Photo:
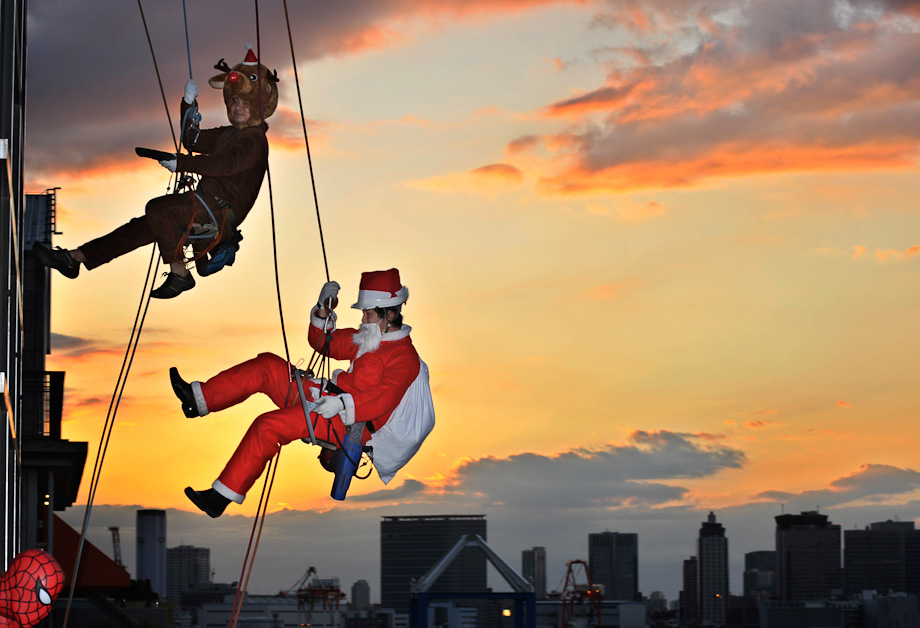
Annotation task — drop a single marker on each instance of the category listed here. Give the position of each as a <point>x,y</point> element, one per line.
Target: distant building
<point>360,596</point>
<point>712,566</point>
<point>657,602</point>
<point>807,557</point>
<point>151,549</point>
<point>689,600</point>
<point>533,568</point>
<point>760,574</point>
<point>411,545</point>
<point>614,561</point>
<point>186,567</point>
<point>884,557</point>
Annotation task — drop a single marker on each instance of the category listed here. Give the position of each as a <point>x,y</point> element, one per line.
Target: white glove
<point>169,164</point>
<point>329,406</point>
<point>329,292</point>
<point>191,91</point>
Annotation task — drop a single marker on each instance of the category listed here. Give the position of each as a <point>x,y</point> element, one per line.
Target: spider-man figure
<point>29,588</point>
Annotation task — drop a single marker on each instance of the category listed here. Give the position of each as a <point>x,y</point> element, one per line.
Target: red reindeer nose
<point>233,77</point>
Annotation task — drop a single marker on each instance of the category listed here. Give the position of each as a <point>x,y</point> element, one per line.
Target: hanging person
<point>231,160</point>
<point>386,387</point>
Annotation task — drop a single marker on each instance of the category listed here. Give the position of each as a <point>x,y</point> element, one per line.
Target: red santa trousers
<point>269,374</point>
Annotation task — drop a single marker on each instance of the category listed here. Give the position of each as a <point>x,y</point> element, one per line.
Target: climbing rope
<point>109,423</point>
<point>127,361</point>
<point>323,362</point>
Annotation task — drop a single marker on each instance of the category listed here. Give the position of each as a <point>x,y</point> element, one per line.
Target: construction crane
<point>311,590</point>
<point>116,545</point>
<point>574,593</point>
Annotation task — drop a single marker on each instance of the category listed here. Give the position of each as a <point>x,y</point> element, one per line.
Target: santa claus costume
<point>386,387</point>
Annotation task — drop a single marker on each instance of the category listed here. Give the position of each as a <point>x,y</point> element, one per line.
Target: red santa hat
<point>380,288</point>
<point>250,56</point>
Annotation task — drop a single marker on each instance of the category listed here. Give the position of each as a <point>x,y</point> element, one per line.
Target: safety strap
<point>308,407</point>
<point>211,229</point>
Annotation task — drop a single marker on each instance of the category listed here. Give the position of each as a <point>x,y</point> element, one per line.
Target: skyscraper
<point>884,557</point>
<point>151,549</point>
<point>807,557</point>
<point>360,595</point>
<point>186,566</point>
<point>410,546</point>
<point>614,561</point>
<point>712,565</point>
<point>760,573</point>
<point>533,568</point>
<point>689,599</point>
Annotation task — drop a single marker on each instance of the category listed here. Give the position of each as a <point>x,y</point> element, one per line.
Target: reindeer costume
<point>231,160</point>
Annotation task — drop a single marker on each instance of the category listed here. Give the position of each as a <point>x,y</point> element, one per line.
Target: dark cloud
<point>781,86</point>
<point>63,342</point>
<point>614,476</point>
<point>93,92</point>
<point>407,490</point>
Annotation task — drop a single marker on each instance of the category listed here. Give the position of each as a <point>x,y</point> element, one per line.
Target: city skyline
<point>666,579</point>
<point>687,230</point>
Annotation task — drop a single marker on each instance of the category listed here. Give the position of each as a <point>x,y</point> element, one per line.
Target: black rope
<point>109,423</point>
<point>156,67</point>
<point>306,140</point>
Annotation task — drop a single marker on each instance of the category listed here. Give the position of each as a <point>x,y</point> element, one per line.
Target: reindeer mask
<point>244,80</point>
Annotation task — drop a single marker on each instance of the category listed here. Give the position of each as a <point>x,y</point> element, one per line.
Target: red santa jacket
<point>376,381</point>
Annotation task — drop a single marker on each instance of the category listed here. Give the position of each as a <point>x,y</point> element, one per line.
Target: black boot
<point>184,392</point>
<point>59,259</point>
<point>174,285</point>
<point>208,501</point>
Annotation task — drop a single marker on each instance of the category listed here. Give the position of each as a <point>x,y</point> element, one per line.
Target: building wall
<point>712,563</point>
<point>533,569</point>
<point>808,557</point>
<point>12,134</point>
<point>151,549</point>
<point>884,557</point>
<point>410,546</point>
<point>614,561</point>
<point>186,566</point>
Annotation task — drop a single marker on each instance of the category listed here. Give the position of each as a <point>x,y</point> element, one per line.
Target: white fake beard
<point>368,338</point>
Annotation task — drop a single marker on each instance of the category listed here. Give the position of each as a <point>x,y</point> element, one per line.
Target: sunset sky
<point>662,258</point>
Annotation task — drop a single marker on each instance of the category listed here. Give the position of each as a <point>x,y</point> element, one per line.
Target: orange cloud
<point>499,171</point>
<point>609,291</point>
<point>843,404</point>
<point>485,179</point>
<point>883,255</point>
<point>521,144</point>
<point>858,251</point>
<point>729,160</point>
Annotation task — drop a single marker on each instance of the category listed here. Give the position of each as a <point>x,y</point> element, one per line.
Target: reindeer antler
<point>273,77</point>
<point>222,66</point>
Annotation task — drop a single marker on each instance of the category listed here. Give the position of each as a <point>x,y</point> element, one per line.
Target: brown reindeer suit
<point>231,161</point>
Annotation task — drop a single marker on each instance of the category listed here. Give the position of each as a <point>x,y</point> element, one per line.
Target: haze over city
<point>662,261</point>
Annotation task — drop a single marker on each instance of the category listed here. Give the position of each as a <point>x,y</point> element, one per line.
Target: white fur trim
<point>200,403</point>
<point>233,496</point>
<point>320,323</point>
<point>348,413</point>
<point>397,334</point>
<point>335,376</point>
<point>368,299</point>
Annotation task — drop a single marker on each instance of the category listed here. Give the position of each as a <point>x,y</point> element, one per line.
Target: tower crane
<point>116,545</point>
